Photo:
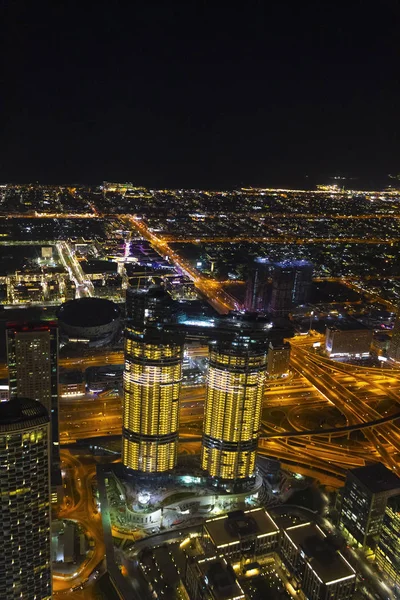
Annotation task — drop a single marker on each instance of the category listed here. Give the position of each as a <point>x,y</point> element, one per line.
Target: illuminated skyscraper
<point>32,357</point>
<point>152,382</point>
<point>25,560</point>
<point>256,297</point>
<point>232,414</point>
<point>152,305</point>
<point>388,552</point>
<point>364,498</point>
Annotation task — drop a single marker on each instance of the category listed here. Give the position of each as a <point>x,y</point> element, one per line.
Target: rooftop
<point>67,377</point>
<point>88,312</point>
<point>377,478</point>
<point>240,524</point>
<point>347,324</point>
<point>328,564</point>
<point>99,266</point>
<point>22,413</point>
<point>221,580</point>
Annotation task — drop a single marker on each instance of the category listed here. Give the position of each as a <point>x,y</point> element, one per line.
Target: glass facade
<point>32,356</point>
<point>25,561</point>
<point>232,414</point>
<point>152,382</point>
<point>388,552</point>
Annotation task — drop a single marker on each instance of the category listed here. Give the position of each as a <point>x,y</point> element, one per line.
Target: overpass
<point>355,427</point>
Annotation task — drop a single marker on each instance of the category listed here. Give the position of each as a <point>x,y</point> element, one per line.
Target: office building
<point>152,382</point>
<point>394,346</point>
<point>25,561</point>
<point>151,305</point>
<point>281,302</point>
<point>388,551</point>
<point>32,357</point>
<point>278,359</point>
<point>348,337</point>
<point>364,498</point>
<point>232,412</point>
<point>291,286</point>
<point>302,282</point>
<point>320,571</point>
<point>241,534</point>
<point>212,578</point>
<point>256,296</point>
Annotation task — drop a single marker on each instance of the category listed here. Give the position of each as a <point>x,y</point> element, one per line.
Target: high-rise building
<point>278,359</point>
<point>283,277</point>
<point>394,346</point>
<point>388,551</point>
<point>232,413</point>
<point>152,382</point>
<point>291,286</point>
<point>151,305</point>
<point>364,498</point>
<point>256,297</point>
<point>302,282</point>
<point>25,561</point>
<point>32,357</point>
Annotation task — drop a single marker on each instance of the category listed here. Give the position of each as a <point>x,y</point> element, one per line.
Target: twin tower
<point>152,382</point>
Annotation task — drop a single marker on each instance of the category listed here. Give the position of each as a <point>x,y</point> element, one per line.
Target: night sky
<point>200,94</point>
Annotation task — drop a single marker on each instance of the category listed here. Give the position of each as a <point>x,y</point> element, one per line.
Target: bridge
<point>331,430</point>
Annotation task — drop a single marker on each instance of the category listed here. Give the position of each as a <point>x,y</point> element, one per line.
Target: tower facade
<point>281,301</point>
<point>291,286</point>
<point>256,297</point>
<point>278,359</point>
<point>25,560</point>
<point>364,499</point>
<point>232,414</point>
<point>32,357</point>
<point>388,552</point>
<point>302,282</point>
<point>394,346</point>
<point>152,382</point>
<point>152,305</point>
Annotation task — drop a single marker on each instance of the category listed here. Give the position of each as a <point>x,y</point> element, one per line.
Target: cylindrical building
<point>232,413</point>
<point>25,561</point>
<point>152,382</point>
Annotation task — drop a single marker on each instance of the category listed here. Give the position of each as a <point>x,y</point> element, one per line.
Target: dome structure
<point>95,321</point>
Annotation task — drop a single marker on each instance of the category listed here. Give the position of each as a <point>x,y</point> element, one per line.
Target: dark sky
<point>203,94</point>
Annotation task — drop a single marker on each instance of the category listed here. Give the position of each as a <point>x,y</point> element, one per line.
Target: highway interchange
<point>319,394</point>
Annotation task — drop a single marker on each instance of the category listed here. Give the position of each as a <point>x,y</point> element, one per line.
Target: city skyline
<point>200,301</point>
<point>269,95</point>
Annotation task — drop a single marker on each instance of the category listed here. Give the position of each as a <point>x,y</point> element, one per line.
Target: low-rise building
<point>71,384</point>
<point>238,534</point>
<point>314,565</point>
<point>212,579</point>
<point>348,337</point>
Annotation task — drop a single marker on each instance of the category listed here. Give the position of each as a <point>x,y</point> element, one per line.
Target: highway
<point>346,401</point>
<point>211,289</point>
<point>326,431</point>
<point>81,508</point>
